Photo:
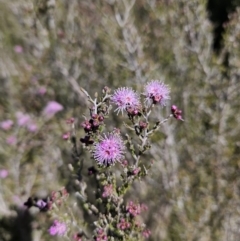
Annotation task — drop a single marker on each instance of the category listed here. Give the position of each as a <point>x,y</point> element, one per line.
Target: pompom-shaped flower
<point>125,97</point>
<point>157,92</point>
<point>109,149</point>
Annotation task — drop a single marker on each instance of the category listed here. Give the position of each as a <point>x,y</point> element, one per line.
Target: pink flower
<point>23,119</point>
<point>124,163</point>
<point>136,170</point>
<point>18,49</point>
<point>57,228</point>
<point>125,98</point>
<point>52,108</point>
<point>32,127</point>
<point>3,173</point>
<point>70,120</point>
<point>146,233</point>
<point>6,125</point>
<point>77,237</point>
<point>123,224</point>
<point>144,207</point>
<point>176,112</point>
<point>101,235</point>
<point>11,140</point>
<point>109,149</point>
<point>66,136</point>
<point>157,92</point>
<point>42,90</point>
<point>133,208</point>
<point>108,190</point>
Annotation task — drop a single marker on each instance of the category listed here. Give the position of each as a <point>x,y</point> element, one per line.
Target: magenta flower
<point>157,92</point>
<point>6,125</point>
<point>52,108</point>
<point>109,149</point>
<point>124,98</point>
<point>57,228</point>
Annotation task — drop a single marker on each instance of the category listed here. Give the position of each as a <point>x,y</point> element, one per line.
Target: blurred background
<point>48,49</point>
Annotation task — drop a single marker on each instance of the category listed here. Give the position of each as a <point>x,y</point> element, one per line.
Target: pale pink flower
<point>125,98</point>
<point>23,119</point>
<point>133,208</point>
<point>144,207</point>
<point>123,224</point>
<point>52,108</point>
<point>6,125</point>
<point>101,235</point>
<point>70,120</point>
<point>32,127</point>
<point>18,49</point>
<point>11,140</point>
<point>108,190</point>
<point>109,149</point>
<point>3,173</point>
<point>66,136</point>
<point>42,90</point>
<point>156,92</point>
<point>146,233</point>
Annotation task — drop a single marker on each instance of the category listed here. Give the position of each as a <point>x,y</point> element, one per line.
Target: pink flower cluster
<point>123,224</point>
<point>176,112</point>
<point>146,233</point>
<point>108,190</point>
<point>93,124</point>
<point>133,208</point>
<point>101,235</point>
<point>57,228</point>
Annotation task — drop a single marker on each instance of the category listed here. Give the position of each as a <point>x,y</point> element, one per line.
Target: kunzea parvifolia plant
<point>117,161</point>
